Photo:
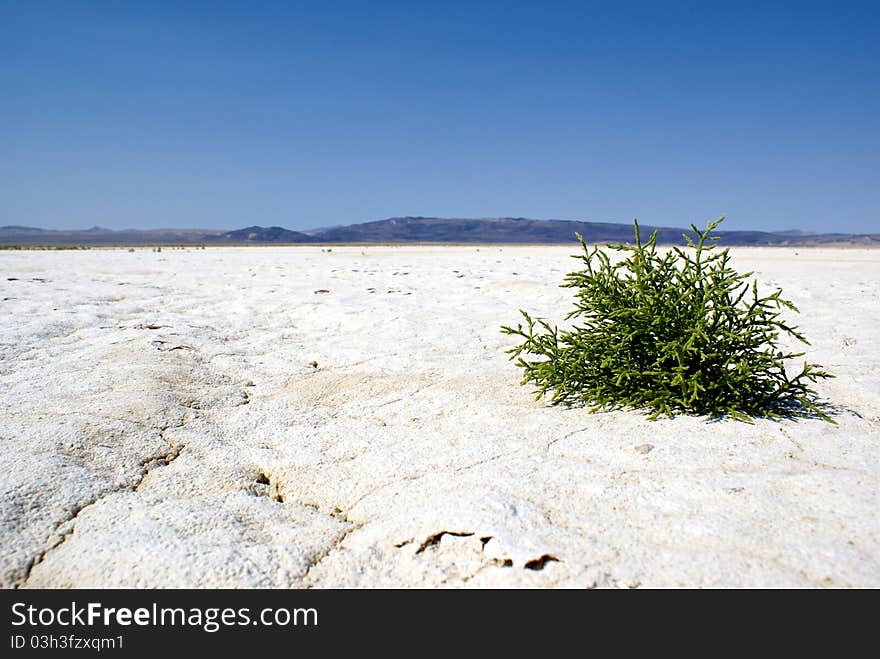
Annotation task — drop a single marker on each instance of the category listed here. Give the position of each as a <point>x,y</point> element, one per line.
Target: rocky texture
<point>206,418</point>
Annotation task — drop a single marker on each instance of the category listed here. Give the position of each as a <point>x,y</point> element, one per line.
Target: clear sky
<point>309,114</point>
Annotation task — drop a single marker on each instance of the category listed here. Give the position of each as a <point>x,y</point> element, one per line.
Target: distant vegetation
<point>669,331</point>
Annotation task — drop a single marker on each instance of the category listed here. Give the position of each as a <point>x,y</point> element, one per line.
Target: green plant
<point>668,331</point>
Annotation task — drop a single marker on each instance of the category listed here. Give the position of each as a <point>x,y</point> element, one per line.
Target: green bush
<point>668,331</point>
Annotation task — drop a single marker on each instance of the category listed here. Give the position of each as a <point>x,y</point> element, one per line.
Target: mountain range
<point>416,230</point>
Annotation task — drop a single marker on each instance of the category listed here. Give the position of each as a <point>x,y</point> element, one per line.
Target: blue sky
<point>309,114</point>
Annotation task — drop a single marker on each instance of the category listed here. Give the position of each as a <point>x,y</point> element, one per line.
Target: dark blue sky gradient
<point>308,114</point>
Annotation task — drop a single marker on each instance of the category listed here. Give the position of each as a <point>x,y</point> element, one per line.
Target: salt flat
<point>164,425</point>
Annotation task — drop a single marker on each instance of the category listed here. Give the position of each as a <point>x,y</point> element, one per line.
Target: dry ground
<point>163,425</point>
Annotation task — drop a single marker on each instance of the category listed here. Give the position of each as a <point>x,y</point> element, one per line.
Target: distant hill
<point>418,230</point>
<point>489,230</point>
<point>260,235</point>
<point>523,230</point>
<point>96,236</point>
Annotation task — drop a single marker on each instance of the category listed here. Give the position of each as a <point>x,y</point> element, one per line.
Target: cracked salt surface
<point>214,422</point>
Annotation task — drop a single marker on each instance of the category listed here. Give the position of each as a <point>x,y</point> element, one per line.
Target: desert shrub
<point>669,331</point>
